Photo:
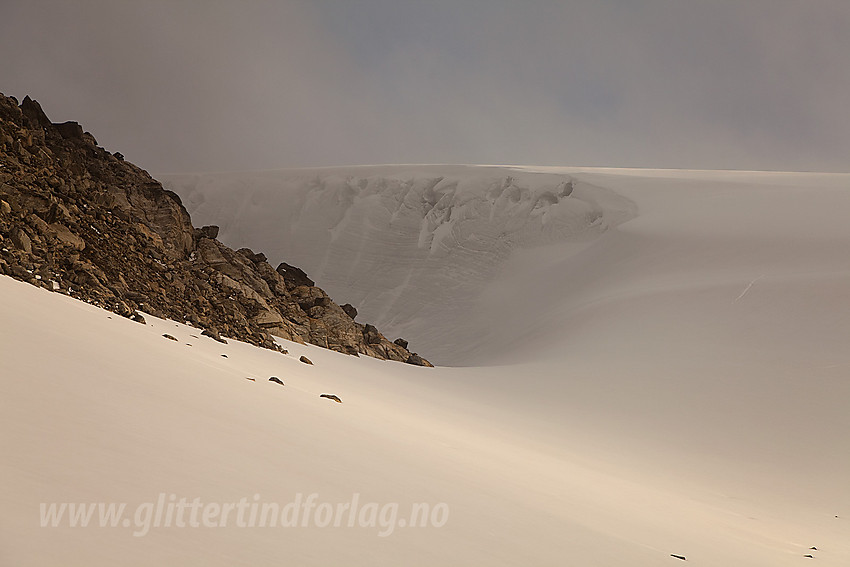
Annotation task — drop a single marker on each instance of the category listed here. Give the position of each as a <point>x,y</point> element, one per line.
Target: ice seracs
<point>411,247</point>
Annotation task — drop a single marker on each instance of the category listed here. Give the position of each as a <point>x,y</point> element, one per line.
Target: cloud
<point>198,86</point>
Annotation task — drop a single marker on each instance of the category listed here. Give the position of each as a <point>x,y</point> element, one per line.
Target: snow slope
<point>100,409</point>
<point>675,384</point>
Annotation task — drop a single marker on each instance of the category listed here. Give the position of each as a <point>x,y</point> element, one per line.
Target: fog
<point>212,86</point>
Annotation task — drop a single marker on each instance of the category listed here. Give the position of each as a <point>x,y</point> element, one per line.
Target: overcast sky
<point>209,85</point>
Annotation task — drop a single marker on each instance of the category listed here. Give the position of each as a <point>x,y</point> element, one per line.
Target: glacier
<point>413,248</point>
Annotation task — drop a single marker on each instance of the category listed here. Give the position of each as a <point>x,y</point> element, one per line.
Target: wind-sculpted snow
<point>412,247</point>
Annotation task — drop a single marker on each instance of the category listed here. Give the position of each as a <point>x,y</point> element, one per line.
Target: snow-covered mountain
<point>411,247</point>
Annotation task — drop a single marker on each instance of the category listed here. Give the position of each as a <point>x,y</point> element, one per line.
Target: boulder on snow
<point>331,397</point>
<point>417,360</point>
<point>276,379</point>
<point>212,333</point>
<point>305,360</point>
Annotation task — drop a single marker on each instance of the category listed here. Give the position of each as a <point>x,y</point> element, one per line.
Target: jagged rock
<point>212,333</point>
<point>331,397</point>
<point>250,255</point>
<point>57,213</point>
<point>21,240</point>
<point>371,334</point>
<point>350,310</point>
<point>64,235</point>
<point>305,360</point>
<point>268,318</point>
<point>400,342</point>
<point>276,379</point>
<point>70,130</point>
<point>294,276</point>
<point>19,272</point>
<point>81,220</point>
<point>32,110</point>
<point>417,360</point>
<point>138,318</point>
<point>209,231</point>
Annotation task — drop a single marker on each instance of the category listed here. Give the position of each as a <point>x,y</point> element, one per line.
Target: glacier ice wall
<point>411,247</point>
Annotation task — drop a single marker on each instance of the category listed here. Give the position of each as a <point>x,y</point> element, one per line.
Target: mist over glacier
<point>413,248</point>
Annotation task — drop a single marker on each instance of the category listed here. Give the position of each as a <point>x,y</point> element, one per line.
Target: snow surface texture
<point>411,247</point>
<point>676,385</point>
<point>98,408</point>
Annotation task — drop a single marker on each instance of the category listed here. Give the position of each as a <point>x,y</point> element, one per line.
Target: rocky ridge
<point>79,220</point>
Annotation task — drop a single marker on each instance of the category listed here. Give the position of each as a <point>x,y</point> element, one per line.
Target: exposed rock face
<point>77,219</point>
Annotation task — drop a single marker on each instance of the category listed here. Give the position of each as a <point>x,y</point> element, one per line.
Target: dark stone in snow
<point>276,379</point>
<point>331,397</point>
<point>305,360</point>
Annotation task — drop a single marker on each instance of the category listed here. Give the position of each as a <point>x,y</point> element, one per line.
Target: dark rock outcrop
<point>82,221</point>
<point>350,310</point>
<point>293,275</point>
